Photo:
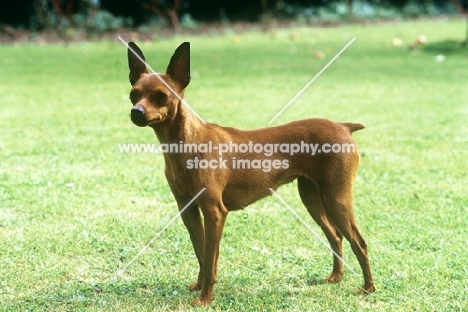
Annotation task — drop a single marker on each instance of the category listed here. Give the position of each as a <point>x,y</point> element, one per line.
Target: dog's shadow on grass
<point>172,294</point>
<point>275,296</point>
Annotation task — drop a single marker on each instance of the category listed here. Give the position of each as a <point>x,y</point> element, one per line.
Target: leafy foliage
<point>105,14</point>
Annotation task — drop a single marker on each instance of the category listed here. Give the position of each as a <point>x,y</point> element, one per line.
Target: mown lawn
<point>73,210</point>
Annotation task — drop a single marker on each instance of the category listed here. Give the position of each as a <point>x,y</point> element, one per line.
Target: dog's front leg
<point>193,223</point>
<point>214,217</point>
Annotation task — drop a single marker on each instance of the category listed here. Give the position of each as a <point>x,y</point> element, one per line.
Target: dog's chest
<point>177,176</point>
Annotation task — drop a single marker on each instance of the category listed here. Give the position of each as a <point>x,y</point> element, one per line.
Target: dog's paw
<point>195,286</point>
<point>201,302</point>
<point>366,290</point>
<point>334,277</point>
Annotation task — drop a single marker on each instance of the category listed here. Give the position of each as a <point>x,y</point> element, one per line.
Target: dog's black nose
<point>137,115</point>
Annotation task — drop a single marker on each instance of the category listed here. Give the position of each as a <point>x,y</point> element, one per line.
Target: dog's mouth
<point>140,123</point>
<point>154,121</point>
<point>147,123</point>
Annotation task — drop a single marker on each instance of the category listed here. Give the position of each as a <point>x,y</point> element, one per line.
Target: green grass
<point>73,210</point>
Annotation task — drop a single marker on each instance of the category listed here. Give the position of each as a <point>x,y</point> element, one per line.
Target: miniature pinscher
<point>324,179</point>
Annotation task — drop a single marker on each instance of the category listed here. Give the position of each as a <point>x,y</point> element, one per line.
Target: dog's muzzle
<point>138,116</point>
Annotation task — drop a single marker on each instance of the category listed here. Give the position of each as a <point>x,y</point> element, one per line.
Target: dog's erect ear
<point>135,64</point>
<point>179,66</point>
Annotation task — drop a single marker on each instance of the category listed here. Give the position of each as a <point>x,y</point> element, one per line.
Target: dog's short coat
<point>325,180</point>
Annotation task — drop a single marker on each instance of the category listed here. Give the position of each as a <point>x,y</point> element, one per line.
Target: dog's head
<point>155,97</point>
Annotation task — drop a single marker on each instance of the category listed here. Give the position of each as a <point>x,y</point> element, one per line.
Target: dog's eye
<point>159,96</point>
<point>134,96</point>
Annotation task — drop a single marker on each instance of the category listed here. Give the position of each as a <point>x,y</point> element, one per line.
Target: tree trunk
<point>458,5</point>
<point>466,39</point>
<point>350,9</point>
<point>172,7</point>
<point>174,19</point>
<point>462,10</point>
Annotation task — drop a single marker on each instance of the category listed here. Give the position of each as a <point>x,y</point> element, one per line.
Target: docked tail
<point>353,126</point>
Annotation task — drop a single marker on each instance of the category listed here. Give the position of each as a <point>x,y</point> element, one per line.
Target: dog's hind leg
<point>311,199</point>
<point>336,195</point>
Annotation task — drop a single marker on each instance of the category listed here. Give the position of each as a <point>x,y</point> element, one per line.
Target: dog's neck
<point>184,126</point>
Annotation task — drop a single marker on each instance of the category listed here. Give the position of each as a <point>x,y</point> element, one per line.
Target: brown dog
<point>239,169</point>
